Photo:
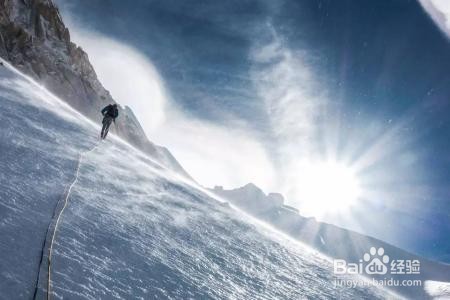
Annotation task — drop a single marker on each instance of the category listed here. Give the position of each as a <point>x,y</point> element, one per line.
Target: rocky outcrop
<point>251,198</point>
<point>34,39</point>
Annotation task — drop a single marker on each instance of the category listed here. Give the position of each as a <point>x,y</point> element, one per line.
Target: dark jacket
<point>110,111</point>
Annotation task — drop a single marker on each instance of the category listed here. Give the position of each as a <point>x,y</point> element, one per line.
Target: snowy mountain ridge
<point>131,229</point>
<point>34,39</point>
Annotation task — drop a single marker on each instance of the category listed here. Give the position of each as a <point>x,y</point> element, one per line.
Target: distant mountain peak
<point>251,186</point>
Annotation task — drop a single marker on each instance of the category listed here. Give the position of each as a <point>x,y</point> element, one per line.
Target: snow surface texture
<point>438,290</point>
<point>334,241</point>
<point>131,229</point>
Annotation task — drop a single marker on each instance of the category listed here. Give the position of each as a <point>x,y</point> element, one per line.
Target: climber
<point>110,113</point>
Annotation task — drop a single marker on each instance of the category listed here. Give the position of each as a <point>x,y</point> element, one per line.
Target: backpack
<point>115,112</point>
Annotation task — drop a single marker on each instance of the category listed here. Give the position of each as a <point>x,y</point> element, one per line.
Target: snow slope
<point>34,39</point>
<point>132,229</point>
<point>334,241</point>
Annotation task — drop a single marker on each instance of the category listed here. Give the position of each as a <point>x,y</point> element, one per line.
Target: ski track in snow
<point>131,228</point>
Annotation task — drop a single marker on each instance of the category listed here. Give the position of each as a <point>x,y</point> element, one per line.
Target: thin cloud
<point>293,100</point>
<point>291,94</point>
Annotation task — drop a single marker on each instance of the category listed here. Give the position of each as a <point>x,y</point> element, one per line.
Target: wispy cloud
<point>294,100</point>
<point>287,86</point>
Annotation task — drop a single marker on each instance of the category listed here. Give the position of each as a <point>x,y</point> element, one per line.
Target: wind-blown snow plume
<point>128,75</point>
<point>134,81</point>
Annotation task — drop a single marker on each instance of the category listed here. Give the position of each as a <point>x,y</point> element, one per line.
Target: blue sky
<point>257,90</point>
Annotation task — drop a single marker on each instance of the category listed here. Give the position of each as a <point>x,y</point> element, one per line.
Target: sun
<point>327,188</point>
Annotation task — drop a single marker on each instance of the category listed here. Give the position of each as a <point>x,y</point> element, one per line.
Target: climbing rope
<point>66,200</point>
